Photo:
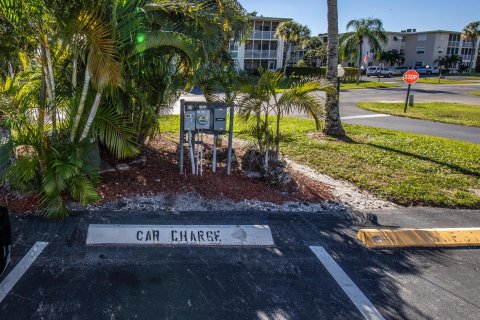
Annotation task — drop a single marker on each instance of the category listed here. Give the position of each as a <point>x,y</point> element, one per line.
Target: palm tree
<point>262,98</point>
<point>392,57</point>
<point>471,32</point>
<point>131,57</point>
<point>293,34</point>
<point>449,61</point>
<point>333,124</point>
<point>368,29</point>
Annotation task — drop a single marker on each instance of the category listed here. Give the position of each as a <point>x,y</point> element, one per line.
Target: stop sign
<point>411,76</point>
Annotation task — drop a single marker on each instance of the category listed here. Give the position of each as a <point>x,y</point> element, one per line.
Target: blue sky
<point>396,14</point>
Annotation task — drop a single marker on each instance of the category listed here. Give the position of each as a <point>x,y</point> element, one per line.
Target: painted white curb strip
<point>9,282</point>
<point>366,308</point>
<point>197,235</point>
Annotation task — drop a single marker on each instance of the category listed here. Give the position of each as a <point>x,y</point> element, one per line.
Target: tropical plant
<point>294,36</point>
<point>370,30</point>
<point>99,70</point>
<point>392,57</point>
<point>315,53</point>
<point>263,99</point>
<point>449,61</point>
<point>471,32</point>
<point>333,124</point>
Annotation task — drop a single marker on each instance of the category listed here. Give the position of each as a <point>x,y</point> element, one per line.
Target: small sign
<point>411,76</point>
<point>187,235</point>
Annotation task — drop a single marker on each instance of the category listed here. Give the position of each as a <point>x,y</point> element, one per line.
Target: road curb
<point>433,238</point>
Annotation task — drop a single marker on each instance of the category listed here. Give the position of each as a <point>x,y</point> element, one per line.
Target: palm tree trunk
<point>259,132</point>
<point>52,88</point>
<point>360,53</point>
<point>333,124</point>
<point>287,58</point>
<point>277,136</point>
<point>74,75</point>
<point>41,110</point>
<point>91,116</point>
<point>472,54</point>
<point>81,105</point>
<point>266,144</point>
<point>10,70</point>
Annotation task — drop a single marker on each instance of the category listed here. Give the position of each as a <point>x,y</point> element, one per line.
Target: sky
<point>397,15</point>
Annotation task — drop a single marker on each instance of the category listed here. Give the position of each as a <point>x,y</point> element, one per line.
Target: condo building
<point>422,48</point>
<point>261,47</point>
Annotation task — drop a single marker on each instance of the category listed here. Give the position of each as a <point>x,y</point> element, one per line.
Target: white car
<point>387,72</point>
<point>373,71</point>
<point>433,70</point>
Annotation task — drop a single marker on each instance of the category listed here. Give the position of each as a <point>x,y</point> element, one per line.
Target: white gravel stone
<point>345,192</point>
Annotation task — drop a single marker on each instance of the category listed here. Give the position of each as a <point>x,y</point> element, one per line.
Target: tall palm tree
<point>293,34</point>
<point>333,124</point>
<point>368,29</point>
<point>471,32</point>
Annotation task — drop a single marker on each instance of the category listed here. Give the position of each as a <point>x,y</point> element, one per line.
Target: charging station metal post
<point>199,118</point>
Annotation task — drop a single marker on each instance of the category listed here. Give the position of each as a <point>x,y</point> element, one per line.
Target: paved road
<point>350,113</point>
<point>72,281</point>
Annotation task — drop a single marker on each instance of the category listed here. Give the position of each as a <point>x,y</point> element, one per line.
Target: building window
<point>418,63</point>
<point>454,37</point>
<point>420,50</point>
<point>370,64</point>
<point>372,51</point>
<point>422,37</point>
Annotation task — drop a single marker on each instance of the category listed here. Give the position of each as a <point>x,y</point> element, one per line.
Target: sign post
<point>409,77</point>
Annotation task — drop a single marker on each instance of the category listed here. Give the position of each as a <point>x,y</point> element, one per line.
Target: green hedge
<point>350,73</point>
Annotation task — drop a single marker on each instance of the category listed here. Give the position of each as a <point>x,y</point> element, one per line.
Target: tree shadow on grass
<point>424,158</point>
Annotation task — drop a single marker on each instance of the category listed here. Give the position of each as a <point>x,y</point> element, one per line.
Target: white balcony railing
<point>260,54</point>
<point>263,35</point>
<point>454,43</point>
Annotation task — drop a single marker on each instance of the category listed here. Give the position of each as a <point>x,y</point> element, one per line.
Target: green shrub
<point>350,73</point>
<point>306,71</point>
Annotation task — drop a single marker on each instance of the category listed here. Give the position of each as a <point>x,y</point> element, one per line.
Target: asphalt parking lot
<point>70,280</point>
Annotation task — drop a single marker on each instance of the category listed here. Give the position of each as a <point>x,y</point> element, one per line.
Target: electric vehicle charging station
<point>198,119</point>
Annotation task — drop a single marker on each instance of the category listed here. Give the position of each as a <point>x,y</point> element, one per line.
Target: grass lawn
<point>468,115</point>
<point>434,80</point>
<point>406,168</point>
<point>367,85</point>
<point>475,93</point>
<point>361,85</point>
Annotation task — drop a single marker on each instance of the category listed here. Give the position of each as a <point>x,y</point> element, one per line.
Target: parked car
<point>5,239</point>
<point>387,72</point>
<point>433,70</point>
<point>401,70</point>
<point>373,71</point>
<point>421,70</point>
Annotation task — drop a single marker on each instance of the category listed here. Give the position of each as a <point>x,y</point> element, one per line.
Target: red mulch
<point>160,175</point>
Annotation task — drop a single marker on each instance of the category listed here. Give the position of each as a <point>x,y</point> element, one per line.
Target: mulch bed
<point>159,174</point>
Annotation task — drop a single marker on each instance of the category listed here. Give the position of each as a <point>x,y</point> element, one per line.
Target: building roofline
<point>268,18</point>
<point>430,31</point>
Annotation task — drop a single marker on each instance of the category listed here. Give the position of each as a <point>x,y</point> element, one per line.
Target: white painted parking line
<point>366,308</point>
<point>190,235</point>
<point>9,282</point>
<point>366,116</point>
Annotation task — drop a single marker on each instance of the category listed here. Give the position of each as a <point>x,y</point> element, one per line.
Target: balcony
<point>263,35</point>
<point>454,44</point>
<point>260,54</point>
